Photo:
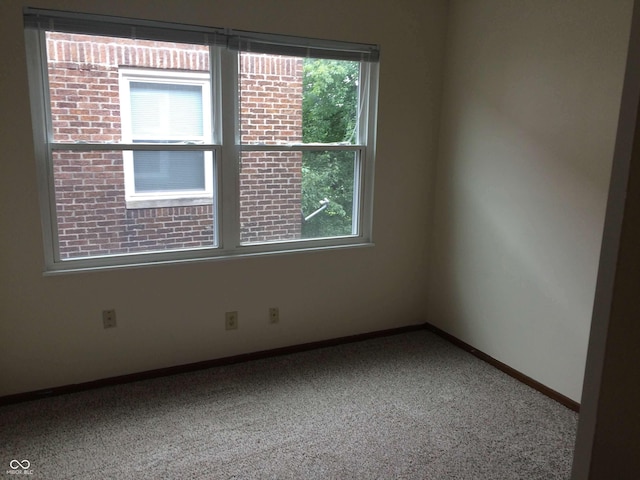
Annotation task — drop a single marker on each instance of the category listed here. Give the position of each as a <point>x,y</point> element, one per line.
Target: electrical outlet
<point>231,320</point>
<point>274,315</point>
<point>109,318</point>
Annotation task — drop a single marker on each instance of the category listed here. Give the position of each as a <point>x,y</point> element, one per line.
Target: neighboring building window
<point>158,107</point>
<point>162,143</point>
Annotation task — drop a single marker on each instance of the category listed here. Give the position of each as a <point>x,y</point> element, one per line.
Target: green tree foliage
<point>329,115</point>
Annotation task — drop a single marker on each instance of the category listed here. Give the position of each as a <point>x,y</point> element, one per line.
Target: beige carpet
<point>409,406</point>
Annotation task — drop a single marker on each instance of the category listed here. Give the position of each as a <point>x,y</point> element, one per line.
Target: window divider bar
<point>229,169</point>
<point>202,147</point>
<point>300,147</point>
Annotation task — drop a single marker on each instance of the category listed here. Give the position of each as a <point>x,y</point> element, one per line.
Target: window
<point>160,106</point>
<point>160,142</point>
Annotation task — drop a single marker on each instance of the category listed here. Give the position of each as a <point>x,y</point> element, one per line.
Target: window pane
<point>294,195</point>
<point>297,100</point>
<point>328,180</point>
<point>168,171</point>
<point>330,101</point>
<point>83,73</point>
<point>165,110</point>
<point>93,219</point>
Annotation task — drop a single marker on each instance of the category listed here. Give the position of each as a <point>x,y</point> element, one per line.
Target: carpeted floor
<point>409,406</point>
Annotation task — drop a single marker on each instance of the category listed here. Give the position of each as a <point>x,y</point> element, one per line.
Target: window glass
<point>330,101</point>
<point>297,195</point>
<point>83,73</point>
<point>288,100</point>
<point>93,220</point>
<point>168,171</point>
<point>328,180</point>
<point>166,111</point>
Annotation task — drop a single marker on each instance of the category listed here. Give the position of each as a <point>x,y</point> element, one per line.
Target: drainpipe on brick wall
<point>324,203</point>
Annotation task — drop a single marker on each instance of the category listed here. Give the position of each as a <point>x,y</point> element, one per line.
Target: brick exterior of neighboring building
<point>270,182</point>
<point>92,215</point>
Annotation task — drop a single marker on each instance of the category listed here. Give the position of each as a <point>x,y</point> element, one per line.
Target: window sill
<point>162,259</point>
<point>155,202</point>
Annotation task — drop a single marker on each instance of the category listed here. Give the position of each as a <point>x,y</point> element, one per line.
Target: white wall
<point>50,327</point>
<point>531,98</point>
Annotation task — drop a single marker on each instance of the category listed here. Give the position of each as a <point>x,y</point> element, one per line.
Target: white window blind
<point>166,111</point>
<point>167,171</point>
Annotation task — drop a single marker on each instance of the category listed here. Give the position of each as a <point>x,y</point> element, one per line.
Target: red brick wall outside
<point>89,186</point>
<point>270,182</point>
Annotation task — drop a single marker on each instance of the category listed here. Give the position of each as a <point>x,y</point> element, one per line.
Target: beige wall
<point>50,327</point>
<point>531,98</point>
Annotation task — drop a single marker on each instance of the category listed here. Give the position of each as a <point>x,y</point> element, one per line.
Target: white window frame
<point>224,147</point>
<point>173,198</point>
